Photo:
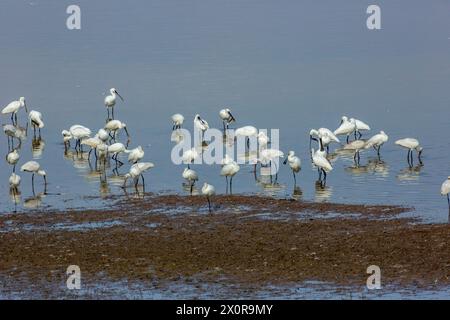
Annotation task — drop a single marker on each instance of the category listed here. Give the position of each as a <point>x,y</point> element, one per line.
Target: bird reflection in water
<point>410,173</point>
<point>323,192</point>
<point>37,147</point>
<point>297,193</point>
<point>34,202</point>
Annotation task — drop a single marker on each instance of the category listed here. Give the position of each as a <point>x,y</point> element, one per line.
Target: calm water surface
<point>292,65</point>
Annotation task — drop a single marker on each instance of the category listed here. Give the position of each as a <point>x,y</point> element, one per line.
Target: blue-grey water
<point>291,65</point>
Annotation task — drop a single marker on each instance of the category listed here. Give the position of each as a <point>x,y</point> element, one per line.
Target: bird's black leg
<point>226,179</point>
<point>112,112</point>
<point>32,183</point>
<point>231,185</point>
<point>324,175</point>
<point>355,134</point>
<point>295,179</point>
<point>347,138</point>
<point>192,187</point>
<point>209,204</point>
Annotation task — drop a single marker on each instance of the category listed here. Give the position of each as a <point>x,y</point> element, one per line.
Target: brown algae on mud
<point>167,238</point>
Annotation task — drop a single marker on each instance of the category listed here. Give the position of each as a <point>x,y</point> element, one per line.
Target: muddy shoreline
<point>248,240</point>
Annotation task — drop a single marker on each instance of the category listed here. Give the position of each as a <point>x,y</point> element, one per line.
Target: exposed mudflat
<point>247,240</point>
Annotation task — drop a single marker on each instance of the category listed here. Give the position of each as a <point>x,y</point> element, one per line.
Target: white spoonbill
<point>347,127</point>
<point>103,135</point>
<point>200,124</point>
<point>117,148</point>
<point>326,134</point>
<point>12,158</point>
<point>34,168</point>
<point>136,154</point>
<point>295,164</point>
<point>360,126</point>
<point>13,107</point>
<point>191,176</point>
<point>77,132</point>
<point>110,100</point>
<point>266,156</point>
<point>227,160</point>
<point>177,120</point>
<point>229,170</point>
<point>189,156</point>
<point>137,171</point>
<point>208,190</point>
<point>321,162</point>
<point>445,190</point>
<point>114,126</point>
<point>411,144</point>
<point>356,146</point>
<point>227,118</point>
<point>14,181</point>
<point>246,131</point>
<point>36,121</point>
<point>377,141</point>
<point>93,144</point>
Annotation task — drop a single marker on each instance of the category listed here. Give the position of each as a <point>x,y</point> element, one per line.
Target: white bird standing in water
<point>360,126</point>
<point>77,132</point>
<point>14,181</point>
<point>93,143</point>
<point>320,161</point>
<point>36,121</point>
<point>114,126</point>
<point>411,144</point>
<point>103,135</point>
<point>200,125</point>
<point>208,190</point>
<point>110,101</point>
<point>230,170</point>
<point>445,190</point>
<point>116,149</point>
<point>347,127</point>
<point>326,134</point>
<point>295,164</point>
<point>246,131</point>
<point>13,107</point>
<point>189,156</point>
<point>227,118</point>
<point>136,154</point>
<point>34,168</point>
<point>12,158</point>
<point>377,141</point>
<point>356,146</point>
<point>191,176</point>
<point>177,120</point>
<point>137,171</point>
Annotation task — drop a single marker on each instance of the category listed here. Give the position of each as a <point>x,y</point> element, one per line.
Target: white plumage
<point>208,190</point>
<point>136,154</point>
<point>35,118</point>
<point>177,120</point>
<point>137,171</point>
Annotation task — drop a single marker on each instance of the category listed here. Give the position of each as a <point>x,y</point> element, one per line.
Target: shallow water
<point>292,66</point>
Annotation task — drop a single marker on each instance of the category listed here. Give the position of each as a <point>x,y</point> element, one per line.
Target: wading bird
<point>116,149</point>
<point>377,141</point>
<point>263,140</point>
<point>445,190</point>
<point>34,168</point>
<point>347,127</point>
<point>326,134</point>
<point>137,171</point>
<point>356,146</point>
<point>321,162</point>
<point>12,158</point>
<point>191,176</point>
<point>200,125</point>
<point>295,164</point>
<point>411,144</point>
<point>36,121</point>
<point>189,156</point>
<point>77,132</point>
<point>227,118</point>
<point>360,126</point>
<point>114,126</point>
<point>208,190</point>
<point>177,121</point>
<point>13,107</point>
<point>14,182</point>
<point>246,131</point>
<point>110,101</point>
<point>230,170</point>
<point>136,154</point>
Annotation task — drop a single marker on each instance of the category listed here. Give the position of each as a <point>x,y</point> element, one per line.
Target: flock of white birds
<point>105,146</point>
